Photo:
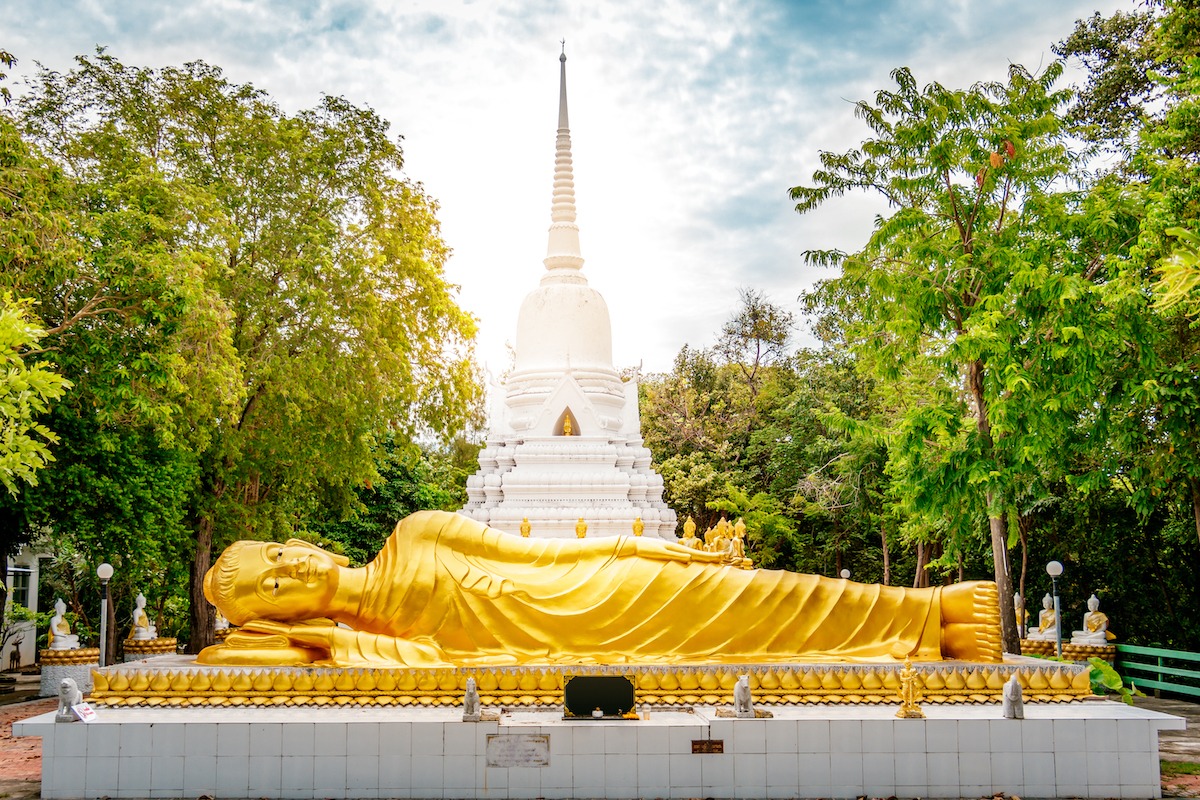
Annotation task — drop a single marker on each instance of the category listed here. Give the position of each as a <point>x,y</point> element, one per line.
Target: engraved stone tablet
<point>518,750</point>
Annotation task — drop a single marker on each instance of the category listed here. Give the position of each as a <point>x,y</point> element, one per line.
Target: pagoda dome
<point>561,326</point>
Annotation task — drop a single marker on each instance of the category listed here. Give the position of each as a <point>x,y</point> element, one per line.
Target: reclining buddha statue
<point>449,591</point>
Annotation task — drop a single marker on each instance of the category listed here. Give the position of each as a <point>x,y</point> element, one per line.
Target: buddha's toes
<point>971,622</point>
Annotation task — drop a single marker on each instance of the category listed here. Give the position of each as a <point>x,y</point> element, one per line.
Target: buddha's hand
<point>668,551</point>
<point>317,635</point>
<point>350,648</point>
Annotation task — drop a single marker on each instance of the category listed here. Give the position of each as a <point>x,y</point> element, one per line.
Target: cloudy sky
<point>689,121</point>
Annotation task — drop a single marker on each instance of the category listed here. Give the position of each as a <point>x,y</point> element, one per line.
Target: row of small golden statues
<point>581,528</point>
<point>729,541</point>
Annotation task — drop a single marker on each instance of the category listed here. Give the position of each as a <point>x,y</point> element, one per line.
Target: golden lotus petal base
<point>1071,652</point>
<point>179,681</point>
<point>81,655</point>
<point>139,648</point>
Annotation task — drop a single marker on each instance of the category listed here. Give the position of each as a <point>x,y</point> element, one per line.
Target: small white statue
<point>1014,700</point>
<point>742,701</point>
<point>143,628</point>
<point>1019,608</point>
<point>471,705</point>
<point>1045,631</point>
<point>61,637</point>
<point>1095,626</point>
<point>68,695</point>
<point>219,622</point>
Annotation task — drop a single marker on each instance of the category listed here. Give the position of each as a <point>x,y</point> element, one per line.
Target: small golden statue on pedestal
<point>567,425</point>
<point>910,693</point>
<point>639,527</point>
<point>525,527</point>
<point>581,528</point>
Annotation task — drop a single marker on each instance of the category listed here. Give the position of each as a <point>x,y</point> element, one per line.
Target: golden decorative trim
<point>188,684</point>
<point>150,647</point>
<point>1071,652</point>
<point>80,655</point>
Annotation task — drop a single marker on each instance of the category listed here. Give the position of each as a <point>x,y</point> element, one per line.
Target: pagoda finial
<point>562,89</point>
<point>563,256</point>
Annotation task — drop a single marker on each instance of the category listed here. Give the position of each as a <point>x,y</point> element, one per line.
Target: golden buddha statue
<point>567,425</point>
<point>580,528</point>
<point>447,590</point>
<point>689,535</point>
<point>735,548</point>
<point>526,528</point>
<point>639,527</point>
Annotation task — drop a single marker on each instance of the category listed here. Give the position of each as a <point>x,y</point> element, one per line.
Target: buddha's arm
<point>350,648</point>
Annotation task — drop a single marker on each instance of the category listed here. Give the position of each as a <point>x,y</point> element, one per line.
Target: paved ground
<point>1178,745</point>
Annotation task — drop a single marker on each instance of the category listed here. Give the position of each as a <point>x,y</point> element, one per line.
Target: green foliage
<point>410,479</point>
<point>26,391</point>
<point>243,298</point>
<point>1106,680</point>
<point>1179,274</point>
<point>1179,768</point>
<point>1119,55</point>
<point>14,615</point>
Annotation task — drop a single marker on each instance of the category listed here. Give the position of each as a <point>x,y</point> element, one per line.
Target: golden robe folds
<point>447,590</point>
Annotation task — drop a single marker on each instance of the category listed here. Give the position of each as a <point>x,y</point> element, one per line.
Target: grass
<point>1180,768</point>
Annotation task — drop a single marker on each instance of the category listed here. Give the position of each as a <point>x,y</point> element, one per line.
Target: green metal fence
<point>1172,671</point>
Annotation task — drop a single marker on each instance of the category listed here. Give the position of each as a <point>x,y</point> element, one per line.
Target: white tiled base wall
<point>1093,749</point>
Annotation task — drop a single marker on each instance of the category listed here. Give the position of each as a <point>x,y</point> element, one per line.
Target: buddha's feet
<point>971,622</point>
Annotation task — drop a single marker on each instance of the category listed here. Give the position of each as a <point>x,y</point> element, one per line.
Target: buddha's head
<point>288,582</point>
<point>1093,603</point>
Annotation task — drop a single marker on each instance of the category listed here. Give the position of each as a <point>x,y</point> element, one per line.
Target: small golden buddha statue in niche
<point>567,425</point>
<point>447,590</point>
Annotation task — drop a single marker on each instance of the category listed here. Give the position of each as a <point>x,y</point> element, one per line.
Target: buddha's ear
<point>341,561</point>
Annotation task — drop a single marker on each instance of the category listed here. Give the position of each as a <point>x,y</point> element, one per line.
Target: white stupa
<point>565,440</point>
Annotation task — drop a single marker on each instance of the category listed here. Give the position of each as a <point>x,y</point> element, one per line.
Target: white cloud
<point>690,121</point>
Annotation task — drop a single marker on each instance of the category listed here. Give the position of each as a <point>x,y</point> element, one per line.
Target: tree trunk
<point>921,578</point>
<point>996,523</point>
<point>1194,484</point>
<point>1023,526</point>
<point>1008,615</point>
<point>887,568</point>
<point>201,612</point>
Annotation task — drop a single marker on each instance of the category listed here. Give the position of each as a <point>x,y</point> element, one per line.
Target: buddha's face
<point>286,582</point>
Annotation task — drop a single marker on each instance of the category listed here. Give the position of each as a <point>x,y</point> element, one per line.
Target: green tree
<point>975,291</point>
<point>26,391</point>
<point>273,281</point>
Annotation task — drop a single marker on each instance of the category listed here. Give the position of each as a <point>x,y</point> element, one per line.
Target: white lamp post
<point>1054,569</point>
<point>104,572</point>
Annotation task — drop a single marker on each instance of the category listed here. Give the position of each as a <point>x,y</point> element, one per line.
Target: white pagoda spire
<point>563,256</point>
<point>565,442</point>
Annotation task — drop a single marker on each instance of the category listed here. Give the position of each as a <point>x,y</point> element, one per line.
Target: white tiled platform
<point>1091,749</point>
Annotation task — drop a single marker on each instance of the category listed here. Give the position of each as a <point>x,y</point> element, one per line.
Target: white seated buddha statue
<point>61,637</point>
<point>143,628</point>
<point>1095,626</point>
<point>1045,631</point>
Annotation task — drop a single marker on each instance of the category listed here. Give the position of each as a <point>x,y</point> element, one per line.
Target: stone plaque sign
<point>518,750</point>
<point>708,745</point>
